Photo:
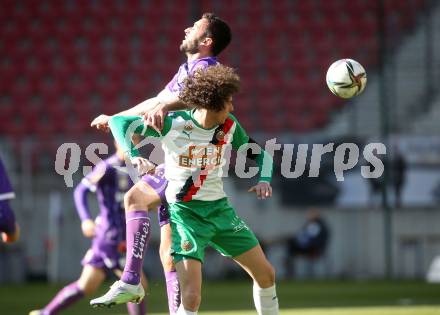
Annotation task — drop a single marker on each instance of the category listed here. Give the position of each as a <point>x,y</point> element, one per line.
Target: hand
<point>101,122</point>
<point>155,117</point>
<point>88,228</point>
<point>13,237</point>
<point>263,190</point>
<point>142,165</point>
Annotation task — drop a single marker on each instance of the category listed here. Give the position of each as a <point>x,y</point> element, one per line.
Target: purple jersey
<point>174,87</point>
<point>6,191</point>
<point>7,217</point>
<point>157,181</point>
<point>110,185</point>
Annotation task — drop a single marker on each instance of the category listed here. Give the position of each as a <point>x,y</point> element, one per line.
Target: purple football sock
<point>66,297</point>
<point>137,309</point>
<point>138,235</point>
<point>173,291</point>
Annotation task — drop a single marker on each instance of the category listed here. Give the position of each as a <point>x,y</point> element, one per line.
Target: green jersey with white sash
<point>194,156</point>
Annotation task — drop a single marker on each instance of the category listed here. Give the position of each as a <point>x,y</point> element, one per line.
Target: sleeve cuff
<point>7,196</point>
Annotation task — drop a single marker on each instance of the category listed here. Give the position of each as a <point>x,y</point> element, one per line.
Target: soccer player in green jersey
<point>202,43</point>
<point>194,143</point>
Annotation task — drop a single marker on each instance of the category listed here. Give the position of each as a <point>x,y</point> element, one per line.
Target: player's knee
<point>86,287</point>
<point>133,199</point>
<point>88,290</point>
<point>267,277</point>
<point>191,300</point>
<point>129,198</point>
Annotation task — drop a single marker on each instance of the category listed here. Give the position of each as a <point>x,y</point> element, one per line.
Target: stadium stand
<point>62,62</point>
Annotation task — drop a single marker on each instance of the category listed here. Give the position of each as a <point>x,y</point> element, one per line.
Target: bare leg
<point>190,276</point>
<point>90,279</point>
<point>141,197</point>
<point>258,267</point>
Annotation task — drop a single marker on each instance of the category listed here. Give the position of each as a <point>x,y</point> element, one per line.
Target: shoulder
<point>233,120</point>
<point>111,162</point>
<point>232,117</point>
<point>175,119</point>
<point>103,166</point>
<point>179,115</point>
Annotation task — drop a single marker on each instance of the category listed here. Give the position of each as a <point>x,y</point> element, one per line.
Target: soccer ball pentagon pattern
<point>346,78</point>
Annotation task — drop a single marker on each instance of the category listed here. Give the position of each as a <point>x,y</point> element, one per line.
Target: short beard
<point>190,47</point>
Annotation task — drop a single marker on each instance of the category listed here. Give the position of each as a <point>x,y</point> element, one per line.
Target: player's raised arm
<point>155,117</point>
<point>153,109</point>
<point>123,128</point>
<point>101,122</point>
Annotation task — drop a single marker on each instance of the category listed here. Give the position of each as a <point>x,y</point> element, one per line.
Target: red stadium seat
<point>82,57</point>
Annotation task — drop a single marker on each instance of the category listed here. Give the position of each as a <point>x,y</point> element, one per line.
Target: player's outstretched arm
<point>123,127</point>
<point>101,122</point>
<point>155,117</point>
<point>153,109</point>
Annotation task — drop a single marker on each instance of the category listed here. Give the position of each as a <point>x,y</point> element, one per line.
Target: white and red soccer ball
<point>346,78</point>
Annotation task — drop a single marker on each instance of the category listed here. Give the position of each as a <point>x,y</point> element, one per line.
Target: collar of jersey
<point>203,58</point>
<point>191,114</point>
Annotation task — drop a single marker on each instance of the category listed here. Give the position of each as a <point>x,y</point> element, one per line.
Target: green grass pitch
<point>227,298</point>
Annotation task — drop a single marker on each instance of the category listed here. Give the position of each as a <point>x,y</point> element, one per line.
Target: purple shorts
<point>104,256</point>
<point>158,182</point>
<point>7,218</point>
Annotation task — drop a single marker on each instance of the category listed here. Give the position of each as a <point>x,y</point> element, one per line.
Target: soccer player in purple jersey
<point>9,229</point>
<point>202,43</point>
<point>107,230</point>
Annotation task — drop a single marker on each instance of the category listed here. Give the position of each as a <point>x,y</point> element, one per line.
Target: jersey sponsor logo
<point>202,156</point>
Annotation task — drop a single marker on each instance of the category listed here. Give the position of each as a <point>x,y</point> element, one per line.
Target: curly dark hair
<point>219,31</point>
<point>210,88</point>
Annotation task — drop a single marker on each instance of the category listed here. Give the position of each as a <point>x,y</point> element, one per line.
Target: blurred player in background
<point>200,212</point>
<point>107,231</point>
<point>9,229</point>
<point>202,43</point>
<point>310,241</point>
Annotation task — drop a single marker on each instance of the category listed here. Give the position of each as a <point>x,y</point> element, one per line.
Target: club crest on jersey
<point>186,246</point>
<point>187,129</point>
<point>220,135</point>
